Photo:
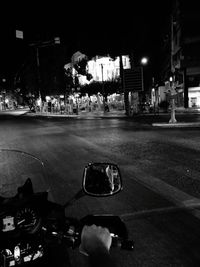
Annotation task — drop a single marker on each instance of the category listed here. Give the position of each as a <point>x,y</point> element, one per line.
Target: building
<point>181,53</point>
<point>102,68</point>
<point>105,68</point>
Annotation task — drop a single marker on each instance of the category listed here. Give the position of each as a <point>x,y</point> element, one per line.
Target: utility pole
<point>172,81</point>
<point>185,84</point>
<point>172,44</point>
<point>38,69</point>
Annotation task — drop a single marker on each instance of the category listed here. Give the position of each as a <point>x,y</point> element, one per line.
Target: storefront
<point>7,101</point>
<point>116,101</point>
<point>194,97</point>
<point>95,102</point>
<point>75,103</point>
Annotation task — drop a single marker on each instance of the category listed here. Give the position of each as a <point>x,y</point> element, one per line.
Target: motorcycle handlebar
<point>72,239</point>
<point>70,233</point>
<point>117,242</point>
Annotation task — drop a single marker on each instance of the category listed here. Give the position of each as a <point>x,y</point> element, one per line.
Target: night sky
<point>94,28</point>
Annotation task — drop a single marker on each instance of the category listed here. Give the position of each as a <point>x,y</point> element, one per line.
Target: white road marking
<point>181,199</point>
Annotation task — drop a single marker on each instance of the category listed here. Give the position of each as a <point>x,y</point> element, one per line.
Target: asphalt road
<point>160,170</point>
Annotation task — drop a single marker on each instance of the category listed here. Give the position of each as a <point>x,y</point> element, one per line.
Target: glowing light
<point>144,60</point>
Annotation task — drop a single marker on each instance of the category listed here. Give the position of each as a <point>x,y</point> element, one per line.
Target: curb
<point>95,116</point>
<point>178,124</point>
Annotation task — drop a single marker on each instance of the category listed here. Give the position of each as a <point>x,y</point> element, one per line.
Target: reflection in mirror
<point>102,179</point>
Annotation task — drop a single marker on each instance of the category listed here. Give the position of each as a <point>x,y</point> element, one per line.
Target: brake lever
<point>122,243</point>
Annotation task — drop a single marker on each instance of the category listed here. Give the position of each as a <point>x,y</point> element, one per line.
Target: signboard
<point>19,34</point>
<point>57,40</point>
<point>170,88</point>
<point>133,79</point>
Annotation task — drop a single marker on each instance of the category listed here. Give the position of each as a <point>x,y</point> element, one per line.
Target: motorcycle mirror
<point>101,179</point>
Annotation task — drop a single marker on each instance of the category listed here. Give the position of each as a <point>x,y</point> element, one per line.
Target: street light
<point>144,61</point>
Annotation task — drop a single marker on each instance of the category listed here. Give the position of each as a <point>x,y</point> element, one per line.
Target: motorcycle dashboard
<point>25,219</point>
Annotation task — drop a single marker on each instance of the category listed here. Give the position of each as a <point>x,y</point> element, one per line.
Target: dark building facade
<point>181,51</point>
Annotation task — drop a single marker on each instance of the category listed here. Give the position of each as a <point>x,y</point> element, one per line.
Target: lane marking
<point>181,199</point>
<point>158,211</point>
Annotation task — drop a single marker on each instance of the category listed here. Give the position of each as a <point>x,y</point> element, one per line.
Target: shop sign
<point>133,79</point>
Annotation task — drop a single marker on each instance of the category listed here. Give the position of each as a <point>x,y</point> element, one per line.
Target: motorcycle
<point>34,230</point>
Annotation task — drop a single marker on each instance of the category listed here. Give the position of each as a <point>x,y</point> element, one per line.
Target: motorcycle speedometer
<point>27,220</point>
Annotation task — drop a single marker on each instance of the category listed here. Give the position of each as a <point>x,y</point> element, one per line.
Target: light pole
<point>126,99</point>
<point>143,62</point>
<point>103,92</point>
<point>4,94</point>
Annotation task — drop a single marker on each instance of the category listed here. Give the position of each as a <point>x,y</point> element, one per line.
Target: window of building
<point>193,102</point>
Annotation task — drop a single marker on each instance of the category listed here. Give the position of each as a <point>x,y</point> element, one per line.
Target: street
<point>160,171</point>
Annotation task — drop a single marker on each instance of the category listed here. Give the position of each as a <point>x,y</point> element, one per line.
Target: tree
<point>110,87</point>
<point>79,62</point>
<point>81,66</point>
<point>68,77</point>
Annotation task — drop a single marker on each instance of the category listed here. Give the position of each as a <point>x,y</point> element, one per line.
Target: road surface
<point>160,170</point>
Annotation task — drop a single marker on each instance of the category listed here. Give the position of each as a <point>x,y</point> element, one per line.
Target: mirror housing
<point>102,179</point>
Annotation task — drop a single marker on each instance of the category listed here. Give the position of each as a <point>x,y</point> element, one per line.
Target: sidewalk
<point>180,111</point>
<point>14,112</point>
<point>188,110</point>
<point>82,114</point>
<point>119,114</point>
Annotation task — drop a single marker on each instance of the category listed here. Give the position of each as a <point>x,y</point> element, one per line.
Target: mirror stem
<point>78,195</point>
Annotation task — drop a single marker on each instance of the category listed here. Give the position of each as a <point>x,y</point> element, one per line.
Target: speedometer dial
<point>27,220</point>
